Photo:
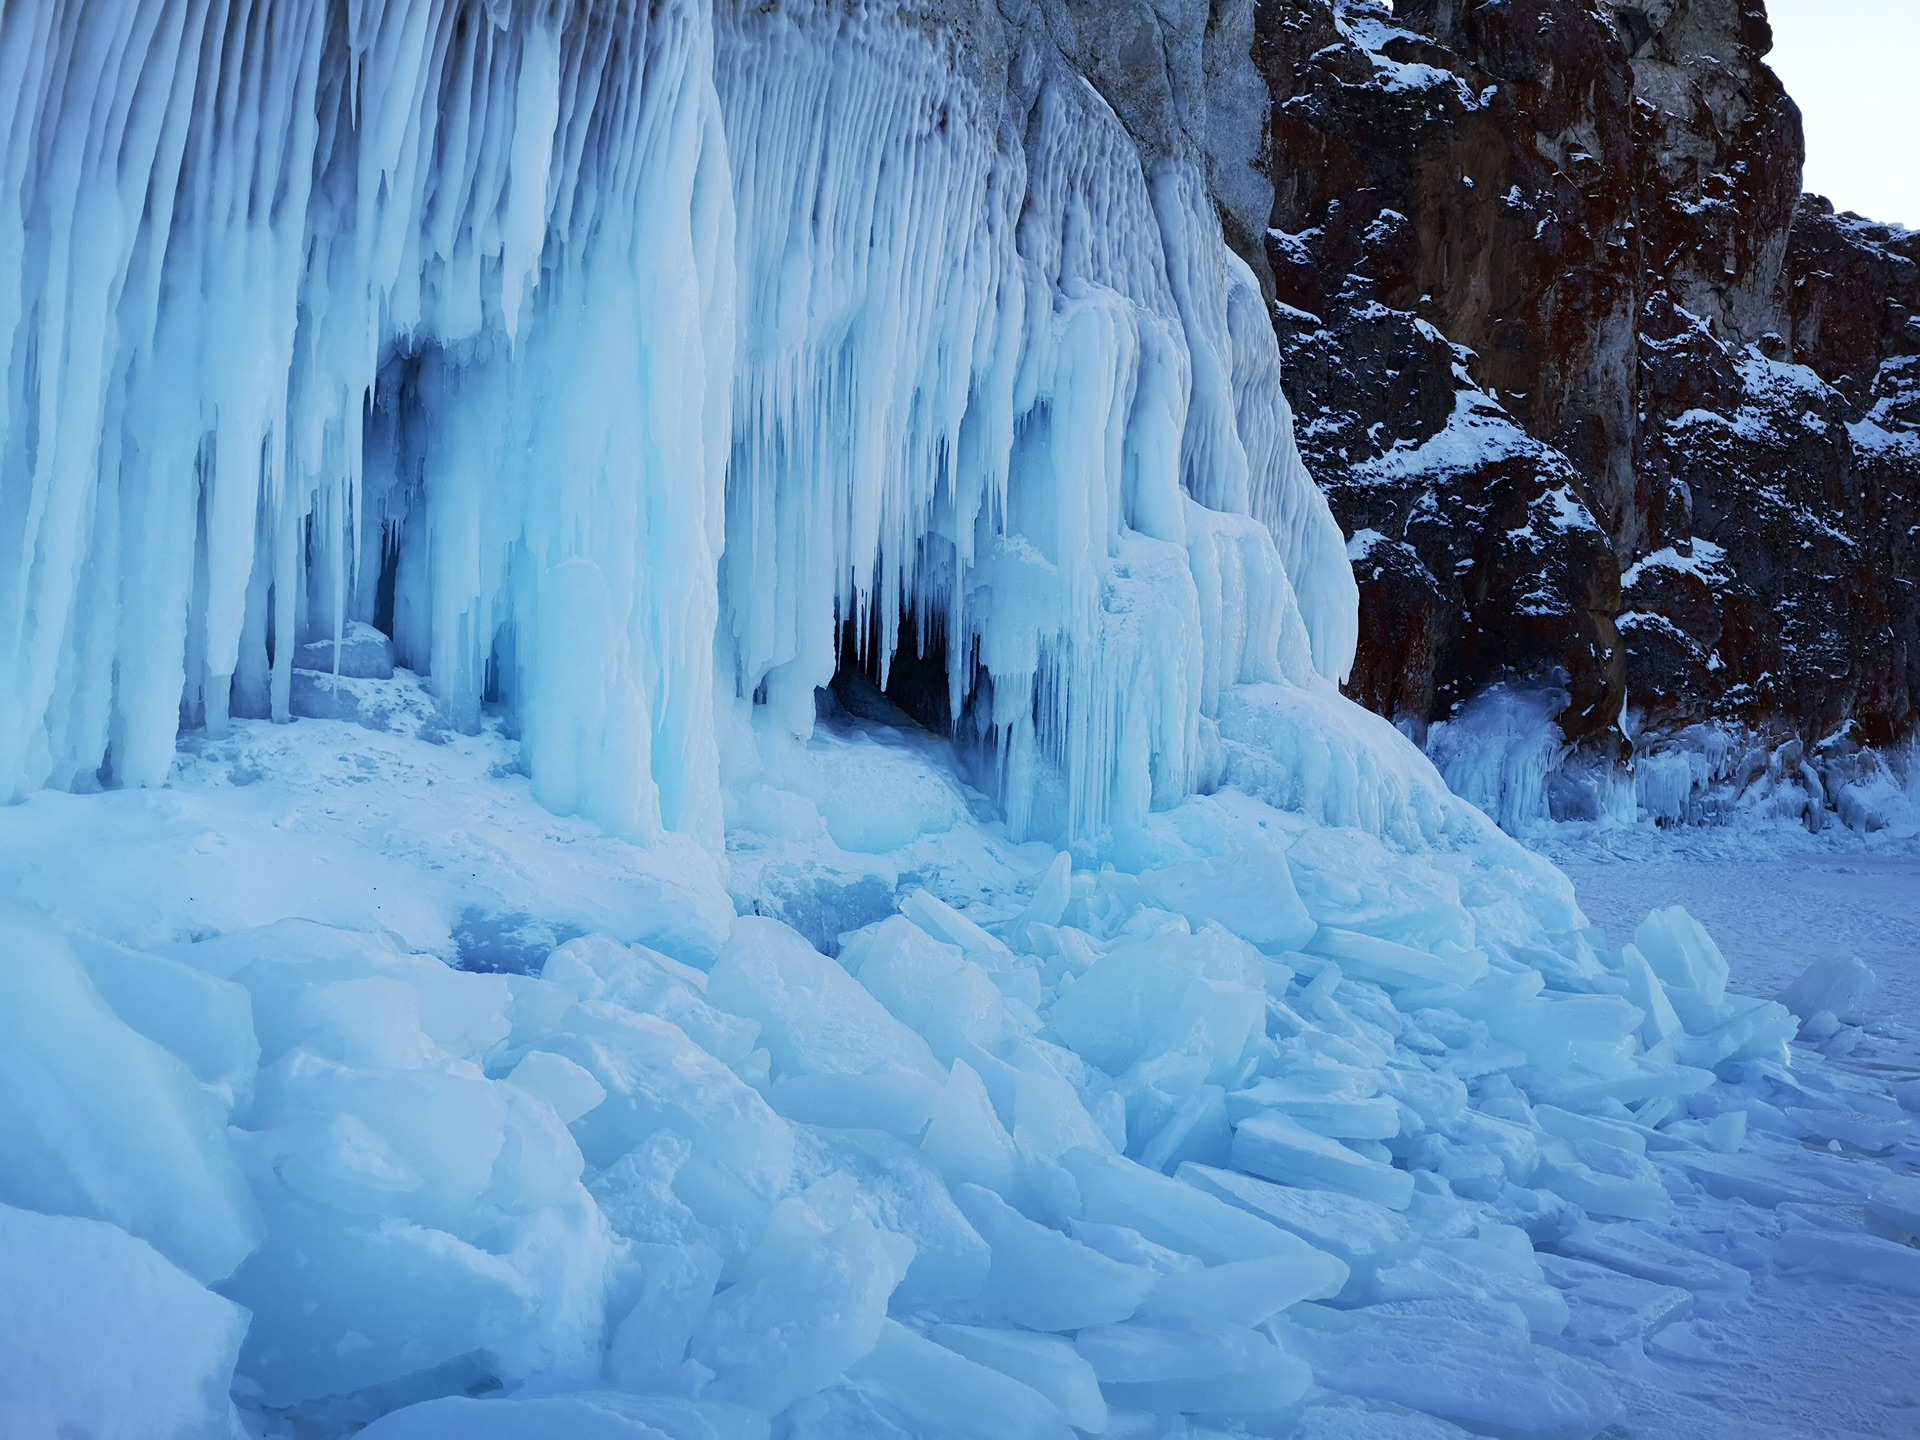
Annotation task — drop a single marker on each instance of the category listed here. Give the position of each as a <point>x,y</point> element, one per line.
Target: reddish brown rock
<point>1554,311</point>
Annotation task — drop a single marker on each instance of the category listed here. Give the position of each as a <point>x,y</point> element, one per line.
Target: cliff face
<point>1592,389</point>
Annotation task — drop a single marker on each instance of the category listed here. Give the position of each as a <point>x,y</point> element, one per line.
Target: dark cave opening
<point>916,692</point>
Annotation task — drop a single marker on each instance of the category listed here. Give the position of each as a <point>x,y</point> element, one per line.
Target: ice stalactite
<point>408,311</point>
<point>993,385</point>
<point>498,325</point>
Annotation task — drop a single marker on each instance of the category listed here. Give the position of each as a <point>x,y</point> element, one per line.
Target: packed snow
<point>482,955</point>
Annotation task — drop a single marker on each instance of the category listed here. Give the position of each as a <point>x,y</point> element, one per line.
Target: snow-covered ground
<point>1739,1277</point>
<point>1802,1355</point>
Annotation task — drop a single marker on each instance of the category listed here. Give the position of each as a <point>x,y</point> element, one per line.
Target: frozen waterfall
<point>626,371</point>
<point>615,358</point>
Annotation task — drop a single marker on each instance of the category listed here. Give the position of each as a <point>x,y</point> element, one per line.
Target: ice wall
<point>415,312</point>
<point>563,341</point>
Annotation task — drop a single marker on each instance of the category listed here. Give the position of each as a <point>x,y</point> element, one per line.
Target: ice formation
<point>541,337</point>
<point>1504,751</point>
<point>610,368</point>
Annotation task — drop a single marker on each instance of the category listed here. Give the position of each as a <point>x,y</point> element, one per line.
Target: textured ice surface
<point>105,1338</point>
<point>596,1188</point>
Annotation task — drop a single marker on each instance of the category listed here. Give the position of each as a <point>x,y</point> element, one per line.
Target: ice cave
<point>672,692</point>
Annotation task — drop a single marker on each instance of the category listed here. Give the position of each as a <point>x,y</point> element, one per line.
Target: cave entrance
<point>915,692</point>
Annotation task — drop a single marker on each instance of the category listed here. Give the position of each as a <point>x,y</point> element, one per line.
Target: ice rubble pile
<point>495,324</point>
<point>1180,1142</point>
<point>1504,751</point>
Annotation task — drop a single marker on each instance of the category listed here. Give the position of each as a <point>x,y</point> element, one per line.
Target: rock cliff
<point>1598,396</point>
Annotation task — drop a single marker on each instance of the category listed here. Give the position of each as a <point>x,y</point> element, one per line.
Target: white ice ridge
<point>576,345</point>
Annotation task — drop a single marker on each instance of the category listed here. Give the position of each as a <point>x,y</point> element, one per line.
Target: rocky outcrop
<point>1596,395</point>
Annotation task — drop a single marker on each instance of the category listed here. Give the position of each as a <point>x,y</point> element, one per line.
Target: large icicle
<point>237,243</point>
<point>986,343</point>
<point>422,313</point>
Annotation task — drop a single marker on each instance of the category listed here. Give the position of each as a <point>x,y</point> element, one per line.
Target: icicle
<point>502,321</point>
<point>208,270</point>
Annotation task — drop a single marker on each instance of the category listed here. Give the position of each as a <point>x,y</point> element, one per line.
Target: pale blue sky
<point>1854,68</point>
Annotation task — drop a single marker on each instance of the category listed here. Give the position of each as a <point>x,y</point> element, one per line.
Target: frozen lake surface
<point>1801,1356</point>
<point>1773,914</point>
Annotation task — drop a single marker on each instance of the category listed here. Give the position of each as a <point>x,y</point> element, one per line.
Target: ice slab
<point>933,1389</point>
<point>1604,1179</point>
<point>1513,1391</point>
<point>1272,1145</point>
<point>675,1285</point>
<point>597,1415</point>
<point>1198,1368</point>
<point>1394,965</point>
<point>106,1338</point>
<point>205,1020</point>
<point>1046,1363</point>
<point>900,1102</point>
<point>928,985</point>
<point>1506,1274</point>
<point>1647,1255</point>
<point>1861,1259</point>
<point>1045,1280</point>
<point>634,977</point>
<point>1869,1134</point>
<point>965,1138</point>
<point>1203,995</point>
<point>1342,1417</point>
<point>569,1088</point>
<point>417,1297</point>
<point>1185,1219</point>
<point>1246,1292</point>
<point>1741,1177</point>
<point>896,1187</point>
<point>1895,1204</point>
<point>814,1018</point>
<point>97,1120</point>
<point>1364,1234</point>
<point>1607,1308</point>
<point>1337,1116</point>
<point>657,1078</point>
<point>1682,954</point>
<point>1250,892</point>
<point>795,1330</point>
<point>1834,984</point>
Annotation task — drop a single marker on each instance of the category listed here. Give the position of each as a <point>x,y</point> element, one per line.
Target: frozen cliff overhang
<point>624,373</point>
<point>600,352</point>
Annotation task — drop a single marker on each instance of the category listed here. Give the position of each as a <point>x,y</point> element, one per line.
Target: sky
<point>1854,68</point>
